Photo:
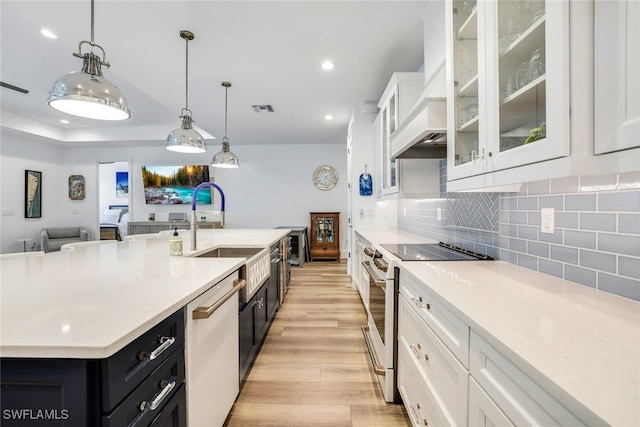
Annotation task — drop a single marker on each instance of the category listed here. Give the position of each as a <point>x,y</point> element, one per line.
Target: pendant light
<point>87,93</point>
<point>186,139</point>
<point>225,158</point>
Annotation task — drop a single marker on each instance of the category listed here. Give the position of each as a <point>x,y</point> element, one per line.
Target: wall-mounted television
<point>174,185</point>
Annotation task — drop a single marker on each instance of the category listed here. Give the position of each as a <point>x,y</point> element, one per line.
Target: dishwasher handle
<point>206,312</point>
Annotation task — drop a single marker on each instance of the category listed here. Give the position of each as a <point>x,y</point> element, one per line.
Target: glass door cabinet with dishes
<point>325,236</point>
<point>508,84</point>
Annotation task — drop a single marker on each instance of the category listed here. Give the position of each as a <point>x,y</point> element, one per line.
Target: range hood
<point>423,134</point>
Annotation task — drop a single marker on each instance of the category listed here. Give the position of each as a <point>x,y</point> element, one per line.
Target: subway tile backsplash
<point>596,241</point>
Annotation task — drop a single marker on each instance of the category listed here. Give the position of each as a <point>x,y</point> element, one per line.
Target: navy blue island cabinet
<point>143,384</point>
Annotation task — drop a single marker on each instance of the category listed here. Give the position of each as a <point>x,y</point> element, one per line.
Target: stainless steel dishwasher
<point>212,353</point>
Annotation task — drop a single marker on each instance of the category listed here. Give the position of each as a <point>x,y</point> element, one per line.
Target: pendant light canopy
<point>225,158</point>
<point>87,93</point>
<point>185,139</point>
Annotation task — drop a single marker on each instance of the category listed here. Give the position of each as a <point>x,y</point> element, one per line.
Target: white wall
<point>18,154</point>
<point>272,187</point>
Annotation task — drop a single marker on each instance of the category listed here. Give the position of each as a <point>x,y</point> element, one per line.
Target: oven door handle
<point>378,369</point>
<point>373,276</point>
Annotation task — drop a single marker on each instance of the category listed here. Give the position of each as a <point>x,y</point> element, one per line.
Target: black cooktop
<point>433,252</point>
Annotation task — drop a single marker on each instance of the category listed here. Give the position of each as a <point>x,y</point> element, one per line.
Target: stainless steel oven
<point>382,325</point>
<point>381,331</point>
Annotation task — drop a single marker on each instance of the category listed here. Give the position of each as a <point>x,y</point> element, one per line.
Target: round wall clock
<point>325,177</point>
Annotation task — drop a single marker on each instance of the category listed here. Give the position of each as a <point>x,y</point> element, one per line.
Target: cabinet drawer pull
<point>416,352</point>
<point>205,312</point>
<point>415,407</point>
<point>165,343</point>
<point>418,301</point>
<point>155,403</point>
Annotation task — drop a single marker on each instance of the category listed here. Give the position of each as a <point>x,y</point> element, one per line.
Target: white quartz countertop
<point>581,344</point>
<point>91,301</point>
<point>377,237</point>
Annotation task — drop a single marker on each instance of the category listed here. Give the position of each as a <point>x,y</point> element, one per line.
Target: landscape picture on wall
<point>174,185</point>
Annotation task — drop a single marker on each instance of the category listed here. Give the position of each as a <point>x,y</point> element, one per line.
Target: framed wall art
<point>32,194</point>
<point>122,184</point>
<point>76,187</point>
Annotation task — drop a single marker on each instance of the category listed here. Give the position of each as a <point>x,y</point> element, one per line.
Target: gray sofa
<point>51,239</point>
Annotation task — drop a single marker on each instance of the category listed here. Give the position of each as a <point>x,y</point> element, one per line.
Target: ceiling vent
<point>263,108</point>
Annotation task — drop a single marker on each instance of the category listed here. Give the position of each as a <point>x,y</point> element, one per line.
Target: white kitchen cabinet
<point>508,85</point>
<point>617,75</point>
<point>361,277</point>
<point>396,102</point>
<point>483,411</point>
<point>523,401</point>
<point>418,398</point>
<point>435,313</point>
<point>445,378</point>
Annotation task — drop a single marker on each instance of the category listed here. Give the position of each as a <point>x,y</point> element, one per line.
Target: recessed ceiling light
<point>328,117</point>
<point>64,121</point>
<point>327,65</point>
<point>47,33</point>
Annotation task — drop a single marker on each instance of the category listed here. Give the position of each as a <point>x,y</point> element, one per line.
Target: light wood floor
<point>313,368</point>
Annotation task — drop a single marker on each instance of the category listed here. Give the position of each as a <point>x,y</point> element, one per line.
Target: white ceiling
<point>270,51</point>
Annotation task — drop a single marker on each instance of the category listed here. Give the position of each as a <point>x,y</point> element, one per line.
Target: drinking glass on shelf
<point>524,74</point>
<point>509,87</point>
<point>472,111</point>
<point>537,65</point>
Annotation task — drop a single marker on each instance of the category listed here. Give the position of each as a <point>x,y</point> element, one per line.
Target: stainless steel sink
<point>229,252</point>
<point>256,270</point>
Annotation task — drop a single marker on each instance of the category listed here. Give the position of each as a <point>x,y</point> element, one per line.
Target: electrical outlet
<point>439,214</point>
<point>547,222</point>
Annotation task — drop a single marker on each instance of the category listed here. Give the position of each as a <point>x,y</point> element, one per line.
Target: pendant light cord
<point>92,43</point>
<point>186,83</point>
<point>226,89</point>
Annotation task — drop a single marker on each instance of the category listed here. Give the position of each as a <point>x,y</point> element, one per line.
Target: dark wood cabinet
<point>325,236</point>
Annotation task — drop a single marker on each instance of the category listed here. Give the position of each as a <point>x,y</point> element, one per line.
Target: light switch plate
<point>547,223</point>
<point>439,214</point>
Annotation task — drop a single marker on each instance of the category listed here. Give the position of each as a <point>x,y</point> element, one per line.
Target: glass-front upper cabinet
<point>466,102</point>
<point>396,102</point>
<point>513,109</point>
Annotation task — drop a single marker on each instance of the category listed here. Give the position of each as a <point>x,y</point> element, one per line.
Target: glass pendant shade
<point>225,158</point>
<point>185,139</point>
<point>87,93</point>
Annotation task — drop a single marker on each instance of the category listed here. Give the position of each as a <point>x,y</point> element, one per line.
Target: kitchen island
<point>93,301</point>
